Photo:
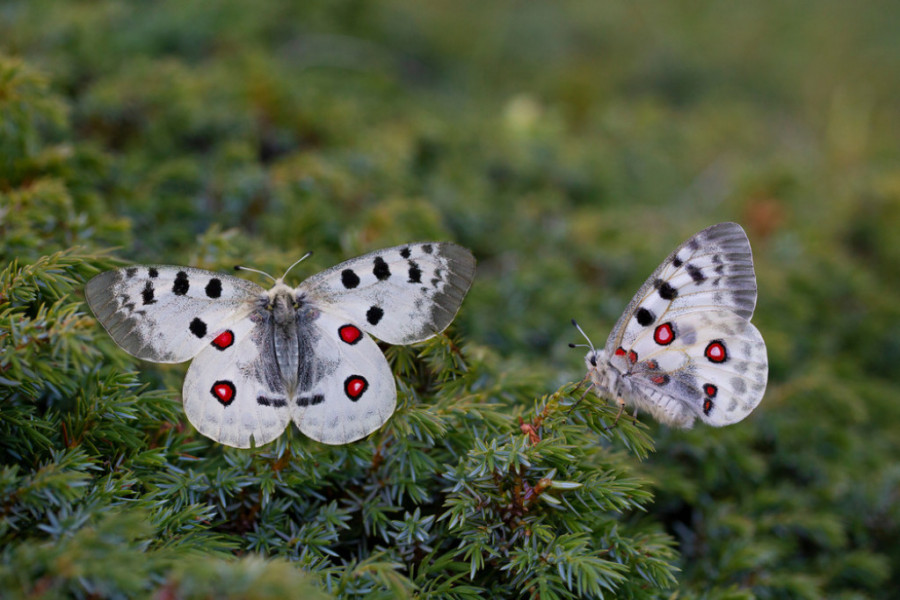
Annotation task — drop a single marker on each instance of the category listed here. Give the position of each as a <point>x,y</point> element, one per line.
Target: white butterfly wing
<point>400,295</point>
<point>353,391</point>
<point>252,371</point>
<point>233,392</point>
<point>685,348</point>
<point>712,365</point>
<point>165,313</point>
<point>711,271</point>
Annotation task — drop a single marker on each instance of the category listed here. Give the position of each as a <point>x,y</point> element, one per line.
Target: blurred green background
<point>571,146</point>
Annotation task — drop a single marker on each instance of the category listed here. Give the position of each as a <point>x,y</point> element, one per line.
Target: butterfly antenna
<point>581,331</point>
<point>240,268</point>
<point>302,258</point>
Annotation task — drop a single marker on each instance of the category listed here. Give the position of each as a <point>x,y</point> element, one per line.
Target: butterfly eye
<point>594,360</point>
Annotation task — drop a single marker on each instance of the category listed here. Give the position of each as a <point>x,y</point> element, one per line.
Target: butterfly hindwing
<point>167,314</point>
<point>352,392</point>
<point>233,392</point>
<point>711,365</point>
<point>400,295</point>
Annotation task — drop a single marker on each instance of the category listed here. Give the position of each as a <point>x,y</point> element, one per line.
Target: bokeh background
<point>570,145</point>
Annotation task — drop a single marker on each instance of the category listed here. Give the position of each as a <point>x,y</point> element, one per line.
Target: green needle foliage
<point>571,146</point>
<point>107,492</point>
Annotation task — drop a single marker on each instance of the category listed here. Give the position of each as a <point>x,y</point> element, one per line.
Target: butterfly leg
<point>621,404</point>
<point>577,402</point>
<point>581,383</point>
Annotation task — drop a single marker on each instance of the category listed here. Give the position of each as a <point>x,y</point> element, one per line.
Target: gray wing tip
<point>726,231</point>
<point>97,290</point>
<point>462,260</point>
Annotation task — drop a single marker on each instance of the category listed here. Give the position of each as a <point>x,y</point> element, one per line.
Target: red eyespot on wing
<point>620,351</point>
<point>355,386</point>
<point>710,390</point>
<point>652,365</point>
<point>632,356</point>
<point>715,351</point>
<point>664,334</point>
<point>660,379</point>
<point>223,391</point>
<point>350,334</point>
<point>224,340</point>
<point>707,406</point>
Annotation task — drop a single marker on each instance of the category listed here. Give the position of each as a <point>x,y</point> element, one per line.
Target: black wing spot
<point>645,317</point>
<point>677,262</point>
<point>694,244</point>
<point>415,273</point>
<point>181,285</point>
<point>198,327</point>
<point>695,273</point>
<point>666,291</point>
<point>147,294</point>
<point>426,248</point>
<point>273,402</point>
<point>374,315</point>
<point>153,273</point>
<point>214,288</point>
<point>131,271</point>
<point>405,253</point>
<point>349,279</point>
<point>381,270</point>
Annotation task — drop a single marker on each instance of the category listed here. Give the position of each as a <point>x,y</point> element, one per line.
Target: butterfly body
<point>262,358</point>
<point>685,348</point>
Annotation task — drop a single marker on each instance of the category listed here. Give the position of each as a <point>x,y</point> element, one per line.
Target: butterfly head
<point>594,358</point>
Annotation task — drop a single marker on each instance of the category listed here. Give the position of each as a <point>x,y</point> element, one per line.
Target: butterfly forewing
<point>711,271</point>
<point>165,313</point>
<point>400,295</point>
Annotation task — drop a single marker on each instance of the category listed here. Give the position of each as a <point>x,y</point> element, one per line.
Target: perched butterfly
<point>685,347</point>
<point>262,358</point>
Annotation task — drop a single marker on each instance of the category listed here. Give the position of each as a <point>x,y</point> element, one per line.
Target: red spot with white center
<point>620,351</point>
<point>223,391</point>
<point>710,390</point>
<point>715,352</point>
<point>355,386</point>
<point>224,340</point>
<point>350,334</point>
<point>664,334</point>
